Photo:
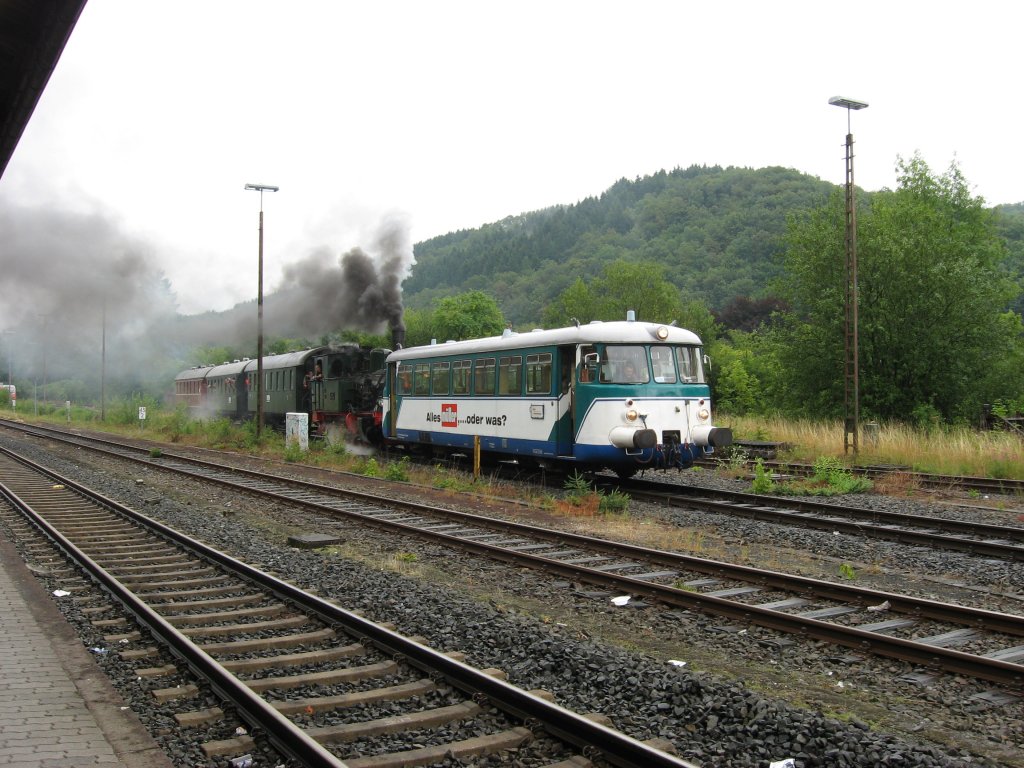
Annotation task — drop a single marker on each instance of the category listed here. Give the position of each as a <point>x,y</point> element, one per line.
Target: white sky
<point>454,114</point>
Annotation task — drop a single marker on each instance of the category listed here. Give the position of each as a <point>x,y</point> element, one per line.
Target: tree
<point>418,327</point>
<point>577,302</point>
<point>469,315</point>
<point>622,285</point>
<point>215,355</point>
<point>931,299</point>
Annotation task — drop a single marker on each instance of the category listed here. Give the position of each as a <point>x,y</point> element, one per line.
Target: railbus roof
<point>612,332</point>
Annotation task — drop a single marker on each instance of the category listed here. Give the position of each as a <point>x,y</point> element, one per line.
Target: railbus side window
<point>588,364</point>
<point>664,369</point>
<point>689,366</point>
<point>538,373</point>
<point>509,375</point>
<point>421,379</point>
<point>404,379</point>
<point>461,370</point>
<point>439,378</point>
<point>484,382</point>
<point>625,365</point>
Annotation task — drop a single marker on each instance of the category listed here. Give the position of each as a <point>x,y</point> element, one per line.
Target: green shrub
<point>220,432</point>
<point>398,470</point>
<point>615,502</point>
<point>578,486</point>
<point>369,468</point>
<point>763,482</point>
<point>450,480</point>
<point>830,478</point>
<point>293,452</point>
<point>177,423</point>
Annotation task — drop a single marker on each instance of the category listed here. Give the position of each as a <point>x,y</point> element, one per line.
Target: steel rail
<point>1006,673</point>
<point>252,708</point>
<point>970,482</point>
<point>830,517</point>
<point>615,747</point>
<point>757,507</point>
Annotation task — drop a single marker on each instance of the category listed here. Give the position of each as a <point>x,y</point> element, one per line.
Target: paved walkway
<point>57,708</point>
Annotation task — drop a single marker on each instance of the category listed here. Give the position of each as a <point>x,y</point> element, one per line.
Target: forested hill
<point>715,230</point>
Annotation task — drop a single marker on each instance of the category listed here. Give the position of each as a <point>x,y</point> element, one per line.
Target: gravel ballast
<point>744,696</point>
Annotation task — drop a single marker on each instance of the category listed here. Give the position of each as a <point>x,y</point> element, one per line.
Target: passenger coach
<point>622,395</point>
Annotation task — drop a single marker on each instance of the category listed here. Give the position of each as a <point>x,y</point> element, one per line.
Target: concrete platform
<point>57,707</point>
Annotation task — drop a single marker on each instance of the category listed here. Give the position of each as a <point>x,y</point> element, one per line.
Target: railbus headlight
<point>631,414</point>
<point>661,333</point>
<point>703,414</point>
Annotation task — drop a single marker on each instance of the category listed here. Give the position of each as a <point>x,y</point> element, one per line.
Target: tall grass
<point>942,450</point>
<point>939,449</point>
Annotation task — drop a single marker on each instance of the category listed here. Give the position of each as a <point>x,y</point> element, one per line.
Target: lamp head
<point>839,101</point>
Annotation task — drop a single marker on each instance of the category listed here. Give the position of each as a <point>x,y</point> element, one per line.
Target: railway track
<point>1009,486</point>
<point>295,668</point>
<point>923,632</point>
<point>986,540</point>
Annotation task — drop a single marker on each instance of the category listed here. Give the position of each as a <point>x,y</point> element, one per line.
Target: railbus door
<point>392,386</point>
<point>565,429</point>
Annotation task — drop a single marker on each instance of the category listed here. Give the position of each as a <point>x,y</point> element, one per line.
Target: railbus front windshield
<point>640,364</point>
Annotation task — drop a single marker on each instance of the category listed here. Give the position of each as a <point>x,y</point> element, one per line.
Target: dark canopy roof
<point>33,34</point>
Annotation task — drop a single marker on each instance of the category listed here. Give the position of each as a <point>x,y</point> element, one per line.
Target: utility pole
<point>261,188</point>
<point>851,377</point>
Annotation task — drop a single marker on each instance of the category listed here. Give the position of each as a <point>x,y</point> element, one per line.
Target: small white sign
<point>142,413</point>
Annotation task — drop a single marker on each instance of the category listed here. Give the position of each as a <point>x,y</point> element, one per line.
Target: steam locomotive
<point>338,386</point>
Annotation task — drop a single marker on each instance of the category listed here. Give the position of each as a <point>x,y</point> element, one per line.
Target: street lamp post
<point>45,320</point>
<point>261,188</point>
<point>851,377</point>
<point>10,355</point>
<point>103,364</point>
<point>10,360</point>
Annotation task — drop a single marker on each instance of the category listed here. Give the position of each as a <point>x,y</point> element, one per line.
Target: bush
<point>398,470</point>
<point>615,502</point>
<point>125,411</point>
<point>578,487</point>
<point>763,482</point>
<point>178,423</point>
<point>369,468</point>
<point>830,478</point>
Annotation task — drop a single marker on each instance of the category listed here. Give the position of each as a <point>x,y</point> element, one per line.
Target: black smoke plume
<point>362,291</point>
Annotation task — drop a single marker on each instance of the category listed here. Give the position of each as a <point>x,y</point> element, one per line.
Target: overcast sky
<point>448,115</point>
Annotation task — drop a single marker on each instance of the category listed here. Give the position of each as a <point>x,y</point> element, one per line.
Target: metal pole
<point>10,355</point>
<point>851,372</point>
<point>261,188</point>
<point>852,385</point>
<point>259,336</point>
<point>103,366</point>
<point>44,360</point>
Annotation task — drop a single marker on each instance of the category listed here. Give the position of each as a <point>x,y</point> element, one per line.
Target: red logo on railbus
<point>449,415</point>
